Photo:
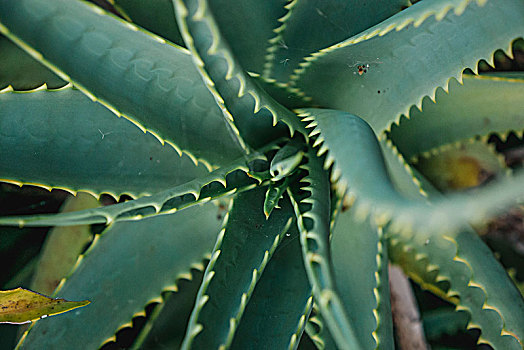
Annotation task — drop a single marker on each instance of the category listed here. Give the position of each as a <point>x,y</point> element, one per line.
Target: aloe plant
<point>287,149</point>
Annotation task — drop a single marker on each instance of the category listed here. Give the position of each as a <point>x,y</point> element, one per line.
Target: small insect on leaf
<point>363,69</point>
<point>22,306</point>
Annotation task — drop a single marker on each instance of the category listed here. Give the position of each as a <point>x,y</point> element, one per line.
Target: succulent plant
<point>298,146</point>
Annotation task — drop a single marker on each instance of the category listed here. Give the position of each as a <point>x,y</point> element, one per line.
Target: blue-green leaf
<point>136,74</point>
<point>125,269</point>
<point>368,180</point>
<point>283,293</point>
<point>243,249</point>
<point>313,210</point>
<point>245,105</point>
<point>361,273</point>
<point>409,56</point>
<point>61,139</point>
<point>311,25</point>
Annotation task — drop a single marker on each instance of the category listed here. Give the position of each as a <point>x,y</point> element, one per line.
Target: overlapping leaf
<point>156,253</point>
<point>244,104</point>
<point>408,56</point>
<point>134,73</point>
<point>283,293</point>
<point>369,181</point>
<point>240,256</point>
<point>221,182</point>
<point>313,209</point>
<point>461,269</point>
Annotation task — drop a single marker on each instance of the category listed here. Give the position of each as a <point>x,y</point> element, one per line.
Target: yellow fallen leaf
<point>22,306</point>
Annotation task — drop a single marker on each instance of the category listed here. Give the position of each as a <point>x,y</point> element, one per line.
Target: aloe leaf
<point>284,293</point>
<point>409,55</point>
<point>312,208</point>
<point>133,72</point>
<point>154,15</point>
<point>21,71</point>
<point>463,165</point>
<point>69,139</point>
<point>487,293</point>
<point>240,256</point>
<point>311,25</point>
<point>481,106</point>
<point>444,266</point>
<point>461,269</point>
<point>376,195</point>
<point>221,182</point>
<point>246,106</point>
<point>156,253</point>
<point>249,27</point>
<point>23,306</point>
<point>361,270</point>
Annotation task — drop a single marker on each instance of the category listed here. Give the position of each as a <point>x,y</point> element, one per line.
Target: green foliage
<point>288,150</point>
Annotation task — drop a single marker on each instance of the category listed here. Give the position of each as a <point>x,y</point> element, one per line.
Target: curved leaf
<point>463,270</point>
<point>376,195</point>
<point>134,73</point>
<point>409,55</point>
<point>243,248</point>
<point>318,332</point>
<point>61,139</point>
<point>156,253</point>
<point>482,105</point>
